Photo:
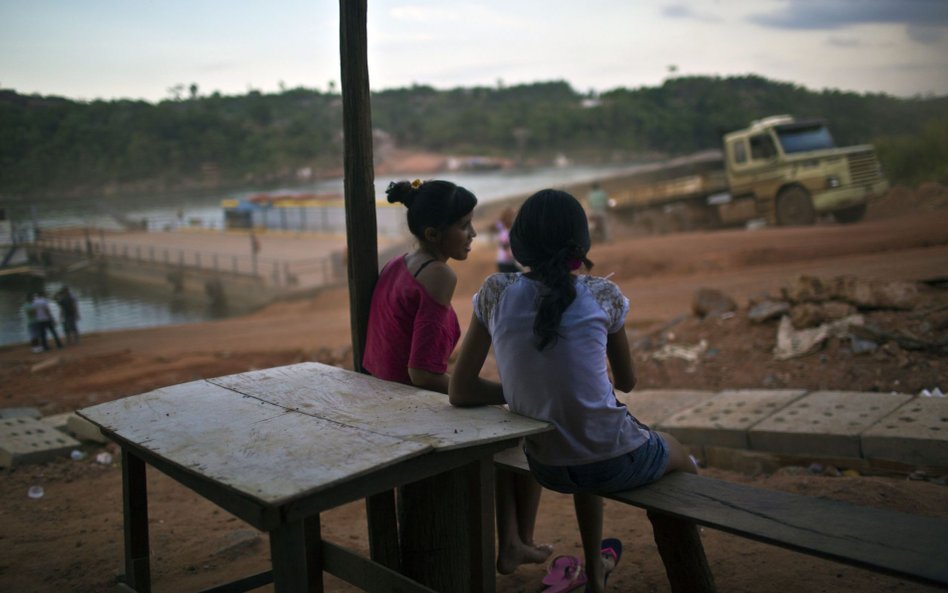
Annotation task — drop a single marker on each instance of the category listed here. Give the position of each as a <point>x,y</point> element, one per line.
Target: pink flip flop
<point>565,573</point>
<point>611,547</point>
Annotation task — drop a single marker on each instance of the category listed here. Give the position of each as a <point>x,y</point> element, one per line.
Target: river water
<point>106,307</point>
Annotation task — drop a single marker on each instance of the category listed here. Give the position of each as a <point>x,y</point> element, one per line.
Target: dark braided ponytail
<point>551,237</point>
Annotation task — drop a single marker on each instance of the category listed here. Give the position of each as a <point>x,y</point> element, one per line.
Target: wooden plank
<point>365,574</point>
<point>255,448</point>
<point>410,470</point>
<point>899,544</point>
<point>388,408</point>
<point>260,515</point>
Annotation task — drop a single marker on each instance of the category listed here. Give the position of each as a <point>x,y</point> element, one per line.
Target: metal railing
<point>308,272</point>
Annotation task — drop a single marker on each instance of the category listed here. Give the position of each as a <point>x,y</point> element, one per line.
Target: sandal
<point>565,573</point>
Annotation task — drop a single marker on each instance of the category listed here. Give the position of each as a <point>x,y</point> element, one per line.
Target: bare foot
<point>510,558</point>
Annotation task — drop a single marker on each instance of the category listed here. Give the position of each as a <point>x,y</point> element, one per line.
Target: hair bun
<point>402,191</point>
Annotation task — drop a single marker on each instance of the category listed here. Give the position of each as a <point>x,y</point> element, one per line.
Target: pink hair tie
<point>573,263</point>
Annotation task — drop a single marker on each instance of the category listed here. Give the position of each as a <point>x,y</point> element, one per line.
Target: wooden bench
<point>902,545</point>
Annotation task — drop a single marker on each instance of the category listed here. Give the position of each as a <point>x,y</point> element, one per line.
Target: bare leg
<point>518,499</point>
<point>589,516</point>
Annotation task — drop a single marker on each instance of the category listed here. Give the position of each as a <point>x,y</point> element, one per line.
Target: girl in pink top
<point>413,329</point>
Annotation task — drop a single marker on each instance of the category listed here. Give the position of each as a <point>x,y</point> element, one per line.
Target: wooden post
<point>361,232</point>
<point>361,228</point>
<point>679,544</point>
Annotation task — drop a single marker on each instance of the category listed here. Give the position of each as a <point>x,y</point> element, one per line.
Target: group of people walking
<point>558,337</point>
<point>40,320</point>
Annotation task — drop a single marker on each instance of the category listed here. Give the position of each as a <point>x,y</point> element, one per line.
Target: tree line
<point>58,145</point>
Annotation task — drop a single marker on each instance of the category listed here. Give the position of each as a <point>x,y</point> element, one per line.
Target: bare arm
<point>620,360</point>
<point>429,380</point>
<point>466,386</point>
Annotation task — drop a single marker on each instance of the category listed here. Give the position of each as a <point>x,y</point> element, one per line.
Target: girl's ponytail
<point>551,236</point>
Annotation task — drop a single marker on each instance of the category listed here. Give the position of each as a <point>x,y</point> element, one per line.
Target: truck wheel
<point>794,207</point>
<point>850,215</point>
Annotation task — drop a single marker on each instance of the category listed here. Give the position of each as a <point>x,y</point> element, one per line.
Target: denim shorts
<point>636,468</point>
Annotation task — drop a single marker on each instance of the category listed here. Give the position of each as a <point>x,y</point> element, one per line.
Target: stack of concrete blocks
<point>26,437</point>
<point>758,431</point>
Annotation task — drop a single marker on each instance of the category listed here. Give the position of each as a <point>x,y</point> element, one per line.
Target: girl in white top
<point>555,337</point>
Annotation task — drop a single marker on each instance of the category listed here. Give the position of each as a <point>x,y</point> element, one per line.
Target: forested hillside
<point>52,144</point>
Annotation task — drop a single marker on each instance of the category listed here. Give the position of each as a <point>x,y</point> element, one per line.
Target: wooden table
<point>276,447</point>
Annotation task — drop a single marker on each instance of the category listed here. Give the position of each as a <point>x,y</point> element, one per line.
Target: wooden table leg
<point>135,508</point>
<point>383,529</point>
<point>447,532</point>
<point>480,477</point>
<point>296,557</point>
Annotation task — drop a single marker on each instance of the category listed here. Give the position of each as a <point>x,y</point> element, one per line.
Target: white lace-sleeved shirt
<point>566,384</point>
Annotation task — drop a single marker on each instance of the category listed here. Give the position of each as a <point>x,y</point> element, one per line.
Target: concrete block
<point>84,430</point>
<point>724,420</point>
<point>652,406</point>
<point>76,426</point>
<point>57,421</point>
<point>25,412</point>
<point>27,440</point>
<point>916,433</point>
<point>824,423</point>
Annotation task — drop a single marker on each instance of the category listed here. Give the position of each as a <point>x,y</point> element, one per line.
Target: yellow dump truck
<point>782,170</point>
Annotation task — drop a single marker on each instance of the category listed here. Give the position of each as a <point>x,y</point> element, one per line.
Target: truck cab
<point>790,172</point>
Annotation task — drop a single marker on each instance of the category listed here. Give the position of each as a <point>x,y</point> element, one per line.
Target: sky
<point>133,49</point>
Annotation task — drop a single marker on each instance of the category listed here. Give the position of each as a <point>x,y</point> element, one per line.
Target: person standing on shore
<point>29,311</point>
<point>413,329</point>
<point>598,202</point>
<point>68,314</point>
<point>254,249</point>
<point>501,231</point>
<point>44,321</point>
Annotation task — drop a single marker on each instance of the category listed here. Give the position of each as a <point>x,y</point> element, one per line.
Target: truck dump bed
<point>681,179</point>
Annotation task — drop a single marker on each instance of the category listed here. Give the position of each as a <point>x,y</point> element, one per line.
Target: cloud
<point>422,14</point>
<point>837,14</point>
<point>926,34</point>
<point>682,11</point>
<point>836,41</point>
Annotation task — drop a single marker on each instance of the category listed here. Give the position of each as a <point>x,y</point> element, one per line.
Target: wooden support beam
<point>679,544</point>
<point>361,231</point>
<point>359,181</point>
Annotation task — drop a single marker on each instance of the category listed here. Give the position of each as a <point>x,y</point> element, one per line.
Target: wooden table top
<point>279,433</point>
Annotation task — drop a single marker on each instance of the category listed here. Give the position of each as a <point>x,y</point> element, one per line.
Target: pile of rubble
<point>813,309</point>
<point>841,333</point>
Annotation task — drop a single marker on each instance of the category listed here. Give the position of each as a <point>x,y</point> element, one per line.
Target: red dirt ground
<point>71,539</point>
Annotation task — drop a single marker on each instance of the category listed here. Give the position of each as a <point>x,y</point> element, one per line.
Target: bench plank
<point>903,545</point>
